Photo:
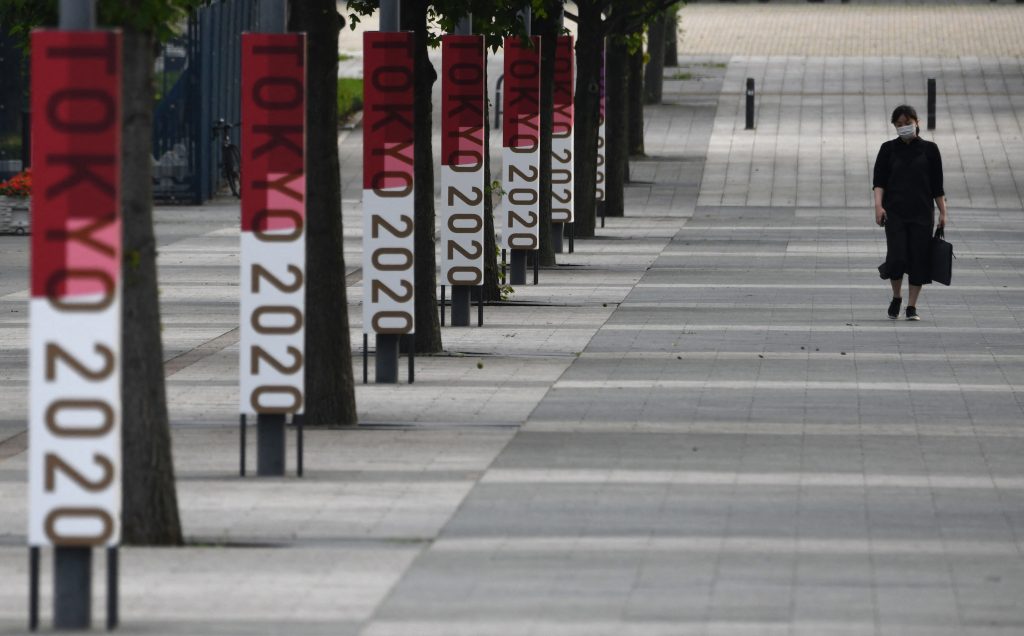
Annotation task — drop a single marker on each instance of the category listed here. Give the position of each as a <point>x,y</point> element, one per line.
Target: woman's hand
<point>879,215</point>
<point>940,202</point>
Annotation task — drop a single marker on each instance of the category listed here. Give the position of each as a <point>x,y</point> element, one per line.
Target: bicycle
<point>231,159</point>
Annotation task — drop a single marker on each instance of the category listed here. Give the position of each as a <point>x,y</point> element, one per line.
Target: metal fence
<point>13,116</point>
<point>199,81</point>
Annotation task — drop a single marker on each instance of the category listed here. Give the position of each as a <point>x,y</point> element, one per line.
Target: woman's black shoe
<point>894,308</point>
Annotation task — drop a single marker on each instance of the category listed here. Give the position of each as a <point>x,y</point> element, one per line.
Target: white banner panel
<point>388,244</point>
<point>74,450</point>
<point>462,225</point>
<point>562,179</point>
<point>521,183</point>
<point>272,330</point>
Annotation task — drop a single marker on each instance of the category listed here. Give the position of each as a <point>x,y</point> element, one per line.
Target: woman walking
<point>908,187</point>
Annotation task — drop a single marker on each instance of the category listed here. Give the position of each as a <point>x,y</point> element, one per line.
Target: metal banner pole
<point>270,436</point>
<point>390,15</point>
<point>480,306</point>
<point>72,566</point>
<point>113,566</point>
<point>72,588</point>
<point>77,15</point>
<point>300,423</point>
<point>442,305</point>
<point>366,357</point>
<point>241,445</point>
<point>412,358</point>
<point>461,302</point>
<point>272,57</point>
<point>33,588</point>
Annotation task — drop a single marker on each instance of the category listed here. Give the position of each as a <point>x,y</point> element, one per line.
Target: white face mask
<point>906,132</point>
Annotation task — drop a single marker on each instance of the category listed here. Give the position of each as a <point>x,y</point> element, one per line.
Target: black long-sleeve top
<point>911,176</point>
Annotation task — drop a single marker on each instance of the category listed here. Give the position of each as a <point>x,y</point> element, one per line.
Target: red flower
<point>20,185</point>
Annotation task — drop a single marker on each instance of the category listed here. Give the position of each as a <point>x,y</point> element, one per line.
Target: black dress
<point>911,176</point>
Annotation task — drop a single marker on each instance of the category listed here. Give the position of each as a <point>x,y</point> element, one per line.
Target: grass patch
<point>683,76</point>
<point>10,146</point>
<point>344,57</point>
<point>350,97</point>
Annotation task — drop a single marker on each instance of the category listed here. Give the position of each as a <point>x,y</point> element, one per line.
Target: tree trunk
<point>548,30</point>
<point>635,110</point>
<point>589,47</point>
<point>150,515</point>
<point>654,75</point>
<point>428,327</point>
<point>491,291</point>
<point>330,392</point>
<point>616,120</point>
<point>672,37</point>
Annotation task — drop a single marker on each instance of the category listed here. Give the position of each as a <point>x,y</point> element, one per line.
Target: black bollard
<point>931,103</point>
<point>750,103</point>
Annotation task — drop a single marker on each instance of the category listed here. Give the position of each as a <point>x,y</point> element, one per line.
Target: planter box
<point>14,215</point>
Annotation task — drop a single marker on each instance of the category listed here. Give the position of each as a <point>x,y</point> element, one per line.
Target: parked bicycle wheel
<point>232,169</point>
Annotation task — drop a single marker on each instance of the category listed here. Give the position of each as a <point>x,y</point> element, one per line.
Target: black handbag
<point>941,258</point>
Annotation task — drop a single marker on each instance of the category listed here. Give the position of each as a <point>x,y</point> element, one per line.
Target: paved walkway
<point>700,423</point>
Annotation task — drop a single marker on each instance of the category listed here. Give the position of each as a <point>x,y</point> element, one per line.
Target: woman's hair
<point>904,111</point>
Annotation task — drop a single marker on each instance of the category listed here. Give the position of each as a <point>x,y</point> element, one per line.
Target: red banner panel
<point>388,111</point>
<point>273,131</point>
<point>462,99</point>
<point>76,144</point>
<point>563,87</point>
<point>521,115</point>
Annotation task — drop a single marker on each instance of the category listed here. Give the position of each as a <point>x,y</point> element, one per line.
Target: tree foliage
<point>157,17</point>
